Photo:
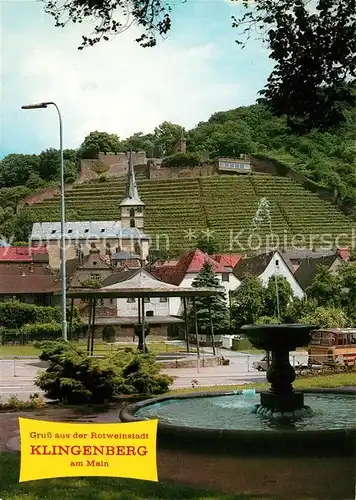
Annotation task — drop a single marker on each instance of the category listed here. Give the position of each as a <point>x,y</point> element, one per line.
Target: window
<point>163,299</point>
<point>149,313</point>
<point>70,230</point>
<point>277,262</point>
<point>131,300</point>
<point>102,230</point>
<point>132,212</point>
<point>101,302</point>
<point>111,301</point>
<point>132,222</point>
<point>225,276</point>
<point>53,231</point>
<point>86,230</point>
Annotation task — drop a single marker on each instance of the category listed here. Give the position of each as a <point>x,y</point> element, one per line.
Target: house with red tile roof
<point>23,254</point>
<point>228,260</point>
<point>344,253</point>
<point>187,268</point>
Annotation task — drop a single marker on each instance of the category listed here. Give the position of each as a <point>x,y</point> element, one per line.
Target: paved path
<point>17,376</point>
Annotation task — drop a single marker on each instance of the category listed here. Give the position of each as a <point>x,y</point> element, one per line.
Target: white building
<point>184,272</point>
<point>265,266</point>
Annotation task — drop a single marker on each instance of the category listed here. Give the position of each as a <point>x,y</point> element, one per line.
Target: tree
<point>73,377</point>
<point>247,302</point>
<point>313,49</point>
<point>49,163</point>
<point>112,17</point>
<point>298,309</point>
<point>325,288</point>
<point>99,142</point>
<point>181,159</point>
<point>140,142</point>
<point>167,137</point>
<point>285,296</point>
<point>347,274</point>
<point>327,317</point>
<point>15,169</point>
<point>207,243</point>
<point>210,310</point>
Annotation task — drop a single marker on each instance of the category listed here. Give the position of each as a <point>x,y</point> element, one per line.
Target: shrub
<point>73,377</point>
<point>14,314</point>
<point>14,403</point>
<point>181,160</point>
<point>39,331</point>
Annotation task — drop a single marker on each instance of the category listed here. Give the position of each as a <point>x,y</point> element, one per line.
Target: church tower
<point>132,207</point>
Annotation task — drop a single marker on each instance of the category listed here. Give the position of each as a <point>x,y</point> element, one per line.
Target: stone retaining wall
<point>191,363</point>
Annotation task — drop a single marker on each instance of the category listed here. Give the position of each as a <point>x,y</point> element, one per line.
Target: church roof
<point>87,230</point>
<point>124,256</point>
<point>132,197</point>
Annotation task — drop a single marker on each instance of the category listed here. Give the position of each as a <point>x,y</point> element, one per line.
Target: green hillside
<point>224,204</point>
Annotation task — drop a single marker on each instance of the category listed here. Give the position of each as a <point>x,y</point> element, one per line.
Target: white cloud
<point>115,86</point>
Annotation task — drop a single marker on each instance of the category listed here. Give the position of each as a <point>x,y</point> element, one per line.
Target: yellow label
<point>54,449</point>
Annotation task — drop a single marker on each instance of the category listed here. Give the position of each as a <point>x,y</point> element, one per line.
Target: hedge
<point>15,314</point>
<point>38,331</point>
<point>181,160</point>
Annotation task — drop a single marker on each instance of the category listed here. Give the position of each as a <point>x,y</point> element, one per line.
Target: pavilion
<point>140,291</point>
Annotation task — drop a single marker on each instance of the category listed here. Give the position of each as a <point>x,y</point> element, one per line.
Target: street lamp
<point>62,248</point>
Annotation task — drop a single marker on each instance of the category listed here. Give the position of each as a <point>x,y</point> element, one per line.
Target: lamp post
<point>62,248</point>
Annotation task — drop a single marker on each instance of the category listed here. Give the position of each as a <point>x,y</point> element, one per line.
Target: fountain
<point>281,401</point>
<point>312,433</point>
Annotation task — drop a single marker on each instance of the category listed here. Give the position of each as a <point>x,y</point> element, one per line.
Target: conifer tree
<point>210,309</point>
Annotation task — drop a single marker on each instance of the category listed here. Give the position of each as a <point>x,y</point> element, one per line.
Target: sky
<point>117,86</point>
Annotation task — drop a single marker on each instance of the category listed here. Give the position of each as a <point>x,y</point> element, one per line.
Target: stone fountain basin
<point>278,336</point>
<point>333,442</point>
<point>316,465</point>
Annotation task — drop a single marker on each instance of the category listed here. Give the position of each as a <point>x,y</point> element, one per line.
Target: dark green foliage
<point>209,309</point>
<point>325,158</point>
<point>313,46</point>
<point>311,43</point>
<point>167,137</point>
<point>181,160</point>
<point>92,283</point>
<point>37,331</point>
<point>73,377</point>
<point>285,295</point>
<point>299,308</point>
<point>14,314</point>
<point>325,288</point>
<point>327,317</point>
<point>247,302</point>
<point>34,322</point>
<point>141,142</point>
<point>15,169</point>
<point>207,243</point>
<point>99,142</point>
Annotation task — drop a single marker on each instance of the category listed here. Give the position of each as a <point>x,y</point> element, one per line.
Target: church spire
<point>132,197</point>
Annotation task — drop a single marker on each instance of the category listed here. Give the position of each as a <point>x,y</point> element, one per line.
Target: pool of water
<point>329,411</point>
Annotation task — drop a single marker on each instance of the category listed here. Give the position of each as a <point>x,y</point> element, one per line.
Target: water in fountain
<point>233,411</point>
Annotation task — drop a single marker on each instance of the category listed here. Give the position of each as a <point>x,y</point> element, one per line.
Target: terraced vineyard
<point>178,210</point>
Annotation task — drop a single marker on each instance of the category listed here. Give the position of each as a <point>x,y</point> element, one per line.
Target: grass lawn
<point>94,488</point>
<point>326,381</point>
<point>99,348</point>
